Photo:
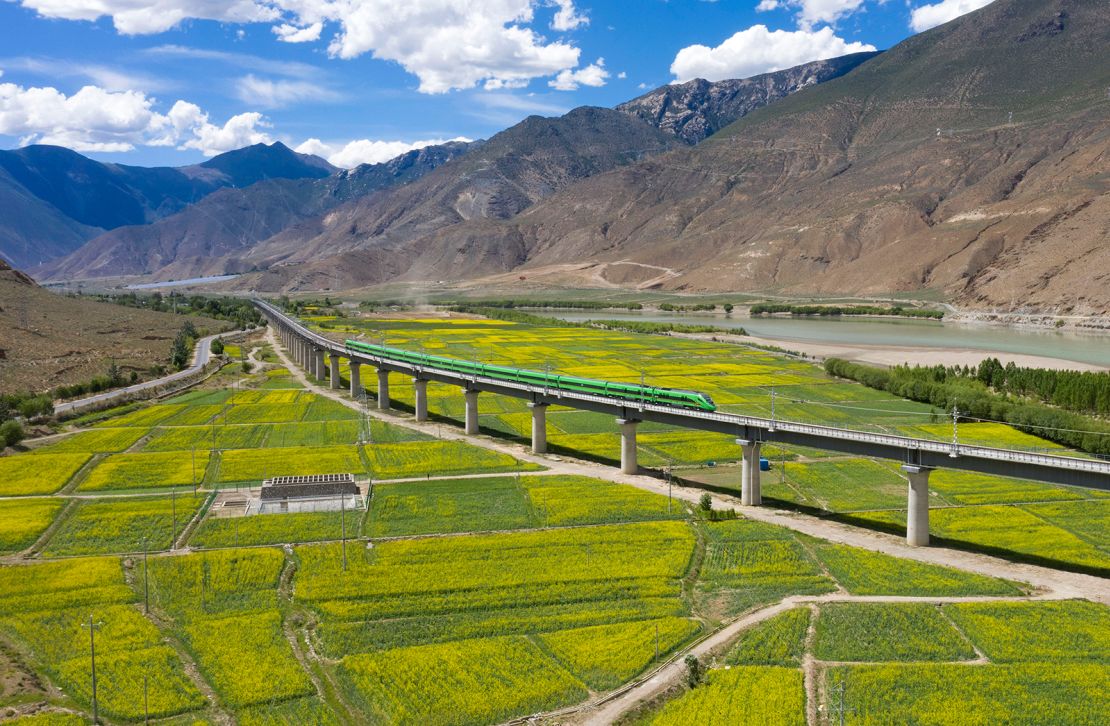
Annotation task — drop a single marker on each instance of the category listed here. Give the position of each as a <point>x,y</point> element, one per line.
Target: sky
<point>173,82</point>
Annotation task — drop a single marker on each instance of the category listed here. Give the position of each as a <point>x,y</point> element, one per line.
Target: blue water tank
<point>764,464</point>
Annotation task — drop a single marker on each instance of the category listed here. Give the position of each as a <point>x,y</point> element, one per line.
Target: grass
<point>874,632</point>
<point>108,526</point>
<point>604,656</point>
<point>779,641</point>
<point>438,683</point>
<point>23,521</point>
<point>146,471</point>
<point>437,458</point>
<point>767,695</point>
<point>872,573</point>
<point>31,474</point>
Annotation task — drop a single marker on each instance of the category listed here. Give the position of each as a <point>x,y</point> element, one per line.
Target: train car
<point>631,392</point>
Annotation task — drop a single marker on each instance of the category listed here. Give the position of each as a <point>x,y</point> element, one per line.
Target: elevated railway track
<point>320,356</point>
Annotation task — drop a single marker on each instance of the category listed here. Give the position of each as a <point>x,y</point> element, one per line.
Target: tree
<point>115,377</point>
<point>217,346</point>
<point>693,671</point>
<point>179,353</point>
<point>11,433</point>
<point>728,308</point>
<point>706,502</point>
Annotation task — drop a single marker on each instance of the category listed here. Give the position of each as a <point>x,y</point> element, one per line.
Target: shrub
<point>11,433</point>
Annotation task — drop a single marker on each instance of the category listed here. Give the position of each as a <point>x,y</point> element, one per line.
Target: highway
<point>202,353</point>
<point>913,452</point>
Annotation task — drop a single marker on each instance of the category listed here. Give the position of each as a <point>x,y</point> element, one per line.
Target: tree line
<point>837,310</point>
<point>961,388</point>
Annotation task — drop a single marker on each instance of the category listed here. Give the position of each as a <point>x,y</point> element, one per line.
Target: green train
<point>631,392</point>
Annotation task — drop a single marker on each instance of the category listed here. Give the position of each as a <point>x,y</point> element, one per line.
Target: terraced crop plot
<point>778,641</point>
<point>187,438</point>
<point>146,471</point>
<point>46,473</point>
<point>43,607</point>
<point>224,603</point>
<point>23,521</point>
<point>872,573</point>
<point>966,487</point>
<point>408,592</point>
<point>437,458</point>
<point>1014,632</point>
<point>262,413</point>
<point>108,526</point>
<point>254,465</point>
<point>98,441</point>
<point>871,632</point>
<point>846,485</point>
<point>146,417</point>
<point>265,529</point>
<point>741,695</point>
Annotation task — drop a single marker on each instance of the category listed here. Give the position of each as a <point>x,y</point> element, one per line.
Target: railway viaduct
<point>320,356</point>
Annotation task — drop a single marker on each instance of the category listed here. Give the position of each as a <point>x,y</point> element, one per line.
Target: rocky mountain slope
<point>55,199</point>
<point>52,339</point>
<point>697,109</point>
<point>211,236</point>
<point>509,173</point>
<point>908,173</point>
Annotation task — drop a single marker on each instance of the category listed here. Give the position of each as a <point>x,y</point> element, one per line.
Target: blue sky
<point>174,81</point>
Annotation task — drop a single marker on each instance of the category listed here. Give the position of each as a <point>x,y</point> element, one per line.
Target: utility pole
<point>955,432</point>
<point>146,700</point>
<point>841,709</point>
<point>343,518</point>
<point>657,641</point>
<point>194,470</point>
<point>772,407</point>
<point>173,531</point>
<point>146,580</point>
<point>93,627</point>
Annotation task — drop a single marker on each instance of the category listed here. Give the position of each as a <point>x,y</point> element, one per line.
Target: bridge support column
<point>750,493</point>
<point>539,427</point>
<point>321,367</point>
<point>334,369</point>
<point>917,511</point>
<point>420,387</point>
<point>629,464</point>
<point>383,389</point>
<point>471,427</point>
<point>356,380</point>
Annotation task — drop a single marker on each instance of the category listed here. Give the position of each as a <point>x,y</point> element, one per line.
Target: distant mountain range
<point>54,200</point>
<point>972,160</point>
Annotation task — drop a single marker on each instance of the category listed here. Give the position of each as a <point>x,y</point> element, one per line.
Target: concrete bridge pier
<point>334,367</point>
<point>420,388</point>
<point>471,412</point>
<point>383,389</point>
<point>321,366</point>
<point>629,464</point>
<point>917,511</point>
<point>539,427</point>
<point>356,379</point>
<point>750,493</point>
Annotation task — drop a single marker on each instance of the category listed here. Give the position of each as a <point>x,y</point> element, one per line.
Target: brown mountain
<point>908,173</point>
<point>697,109</point>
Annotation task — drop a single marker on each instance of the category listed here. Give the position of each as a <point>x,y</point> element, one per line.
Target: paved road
<point>202,353</point>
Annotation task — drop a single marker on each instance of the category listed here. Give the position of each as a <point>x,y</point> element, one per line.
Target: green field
<point>105,526</point>
<point>871,632</point>
<point>768,695</point>
<point>29,474</point>
<point>23,521</point>
<point>778,641</point>
<point>163,470</point>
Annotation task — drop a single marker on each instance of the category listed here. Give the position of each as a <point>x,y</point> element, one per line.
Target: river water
<point>895,332</point>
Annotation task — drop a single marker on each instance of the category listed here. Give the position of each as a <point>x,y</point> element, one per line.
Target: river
<point>901,333</point>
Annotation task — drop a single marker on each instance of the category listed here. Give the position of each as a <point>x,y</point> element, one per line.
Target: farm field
<point>38,473</point>
<point>106,526</point>
<point>146,471</point>
<point>22,521</point>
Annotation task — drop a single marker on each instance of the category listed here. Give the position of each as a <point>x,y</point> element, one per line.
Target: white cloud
<point>567,16</point>
<point>292,34</point>
<point>365,151</point>
<point>759,50</point>
<point>622,75</point>
<point>929,16</point>
<point>268,93</point>
<point>95,119</point>
<point>142,17</point>
<point>812,12</point>
<point>592,75</point>
<point>446,44</point>
<point>239,60</point>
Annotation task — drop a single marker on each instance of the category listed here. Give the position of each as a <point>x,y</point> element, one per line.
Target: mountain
<point>211,236</point>
<point>55,199</point>
<point>908,173</point>
<point>52,339</point>
<point>697,109</point>
<point>509,173</point>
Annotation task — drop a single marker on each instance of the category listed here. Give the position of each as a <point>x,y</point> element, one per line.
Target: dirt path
<point>1063,584</point>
